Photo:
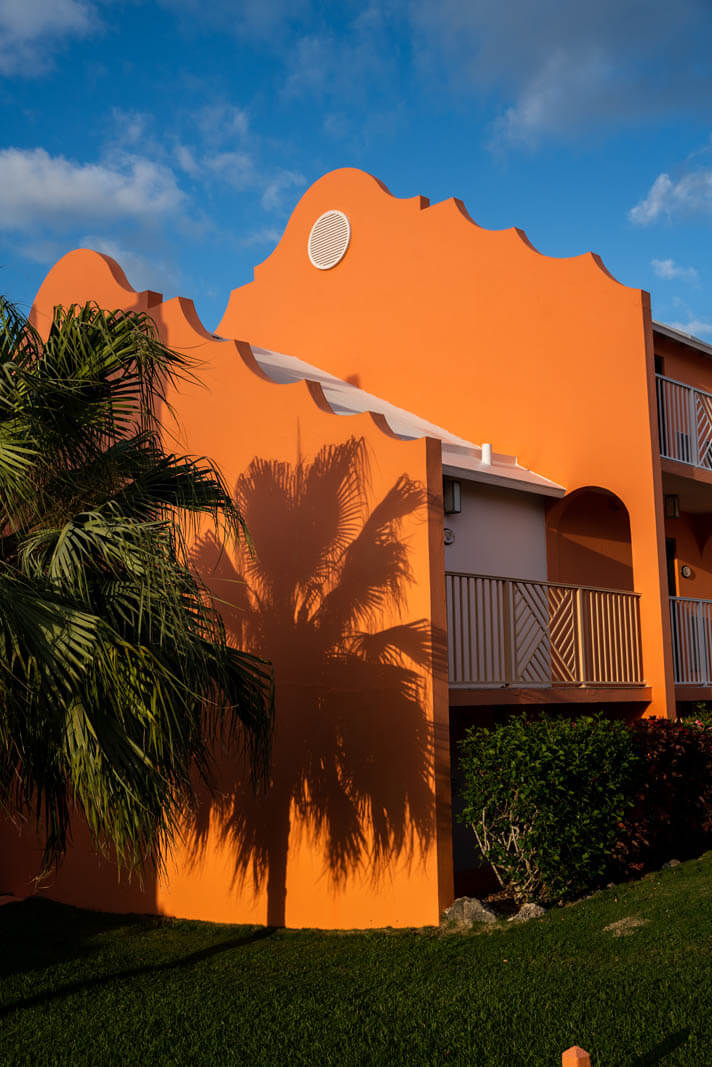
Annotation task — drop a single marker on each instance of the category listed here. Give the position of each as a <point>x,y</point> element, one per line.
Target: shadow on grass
<point>37,933</point>
<point>662,1049</point>
<point>49,933</point>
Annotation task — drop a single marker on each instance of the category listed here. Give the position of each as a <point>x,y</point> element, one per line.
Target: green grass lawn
<point>81,987</point>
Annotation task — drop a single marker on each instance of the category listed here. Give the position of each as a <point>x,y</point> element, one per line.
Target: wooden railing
<point>684,423</point>
<point>691,622</point>
<point>504,631</point>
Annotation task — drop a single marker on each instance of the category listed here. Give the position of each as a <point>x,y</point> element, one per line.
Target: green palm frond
<point>117,677</point>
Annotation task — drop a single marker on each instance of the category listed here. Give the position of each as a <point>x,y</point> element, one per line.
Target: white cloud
<point>279,188</point>
<point>186,160</point>
<point>234,168</point>
<point>54,191</point>
<point>241,172</point>
<point>222,122</point>
<point>142,272</point>
<point>261,20</point>
<point>670,270</point>
<point>559,68</point>
<point>269,235</point>
<point>689,195</point>
<point>31,29</point>
<point>695,327</point>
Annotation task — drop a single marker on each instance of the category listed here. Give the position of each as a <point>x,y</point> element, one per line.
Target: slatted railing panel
<point>504,631</point>
<point>477,617</point>
<point>691,621</point>
<point>611,638</point>
<point>684,422</point>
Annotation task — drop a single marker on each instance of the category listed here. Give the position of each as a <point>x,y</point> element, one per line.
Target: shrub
<point>700,718</point>
<point>671,814</point>
<point>545,800</point>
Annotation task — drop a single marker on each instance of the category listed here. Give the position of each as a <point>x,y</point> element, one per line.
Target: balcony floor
<point>686,694</point>
<point>461,696</point>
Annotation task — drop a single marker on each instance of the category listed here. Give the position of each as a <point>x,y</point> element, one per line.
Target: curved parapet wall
<point>84,275</point>
<point>355,829</point>
<point>473,329</point>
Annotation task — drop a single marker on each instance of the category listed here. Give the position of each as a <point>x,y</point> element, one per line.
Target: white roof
<point>461,458</point>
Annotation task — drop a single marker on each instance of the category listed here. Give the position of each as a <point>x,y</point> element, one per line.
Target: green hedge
<point>546,800</point>
<point>560,806</point>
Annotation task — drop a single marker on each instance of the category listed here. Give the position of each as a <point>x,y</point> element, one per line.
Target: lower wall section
<point>202,883</point>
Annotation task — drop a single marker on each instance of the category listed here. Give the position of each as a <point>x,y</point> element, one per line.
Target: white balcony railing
<point>510,632</point>
<point>691,621</point>
<point>684,423</point>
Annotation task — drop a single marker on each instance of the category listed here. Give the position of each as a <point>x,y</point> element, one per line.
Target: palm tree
<point>351,752</point>
<point>116,673</point>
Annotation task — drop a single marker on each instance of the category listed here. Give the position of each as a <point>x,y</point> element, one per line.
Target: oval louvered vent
<point>328,240</point>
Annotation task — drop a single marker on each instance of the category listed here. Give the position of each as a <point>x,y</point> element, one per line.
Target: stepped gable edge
<point>85,275</point>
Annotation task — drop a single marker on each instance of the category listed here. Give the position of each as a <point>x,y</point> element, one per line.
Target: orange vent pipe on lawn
<point>575,1057</point>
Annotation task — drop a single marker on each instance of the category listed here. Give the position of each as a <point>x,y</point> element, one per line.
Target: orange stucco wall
<point>693,542</point>
<point>362,837</point>
<point>549,359</point>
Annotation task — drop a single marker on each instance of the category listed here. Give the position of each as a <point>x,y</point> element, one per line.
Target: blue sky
<point>177,136</point>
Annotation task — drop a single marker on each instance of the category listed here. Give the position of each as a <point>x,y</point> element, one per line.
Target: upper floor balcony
<point>684,423</point>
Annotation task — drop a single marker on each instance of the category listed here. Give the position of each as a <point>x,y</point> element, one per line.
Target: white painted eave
<point>683,338</point>
<point>461,458</point>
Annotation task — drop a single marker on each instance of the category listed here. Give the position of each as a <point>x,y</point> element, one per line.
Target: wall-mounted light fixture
<point>686,571</point>
<point>452,499</point>
<point>672,506</point>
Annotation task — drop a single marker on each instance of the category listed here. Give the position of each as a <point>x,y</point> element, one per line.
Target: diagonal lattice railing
<point>684,422</point>
<point>504,631</point>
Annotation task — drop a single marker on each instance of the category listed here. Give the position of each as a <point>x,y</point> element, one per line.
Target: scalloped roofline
<point>422,204</point>
<point>328,393</point>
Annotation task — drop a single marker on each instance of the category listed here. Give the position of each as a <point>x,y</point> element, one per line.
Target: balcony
<point>511,634</point>
<point>691,621</point>
<point>684,423</point>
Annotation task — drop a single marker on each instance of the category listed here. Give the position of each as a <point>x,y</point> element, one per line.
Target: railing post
<point>692,417</point>
<point>662,421</point>
<point>701,635</point>
<point>580,654</point>
<point>509,638</point>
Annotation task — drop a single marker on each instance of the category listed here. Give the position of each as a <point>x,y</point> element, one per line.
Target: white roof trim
<point>683,338</point>
<point>461,458</point>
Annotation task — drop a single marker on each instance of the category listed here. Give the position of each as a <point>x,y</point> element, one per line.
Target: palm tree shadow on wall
<point>352,748</point>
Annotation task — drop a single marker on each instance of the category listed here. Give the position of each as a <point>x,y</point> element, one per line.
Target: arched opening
<point>588,540</point>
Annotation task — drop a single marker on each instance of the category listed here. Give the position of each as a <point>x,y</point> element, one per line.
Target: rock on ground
<point>468,910</point>
<point>625,926</point>
<point>526,912</point>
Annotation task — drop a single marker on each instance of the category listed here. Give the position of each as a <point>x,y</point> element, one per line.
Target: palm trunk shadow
<point>321,597</point>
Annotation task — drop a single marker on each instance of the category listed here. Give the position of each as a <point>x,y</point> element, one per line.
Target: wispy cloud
<point>671,271</point>
<point>268,235</point>
<point>560,69</point>
<point>689,195</point>
<point>143,271</point>
<point>31,30</point>
<point>40,189</point>
<point>695,327</point>
<point>279,189</point>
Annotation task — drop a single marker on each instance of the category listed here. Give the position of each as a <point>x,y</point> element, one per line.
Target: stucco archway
<point>588,540</point>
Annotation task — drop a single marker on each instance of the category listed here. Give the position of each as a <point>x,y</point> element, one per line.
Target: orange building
<point>476,478</point>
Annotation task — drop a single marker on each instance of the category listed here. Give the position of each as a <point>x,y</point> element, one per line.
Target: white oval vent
<point>329,239</point>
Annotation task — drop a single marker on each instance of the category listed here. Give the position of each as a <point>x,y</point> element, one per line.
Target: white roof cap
<point>461,458</point>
